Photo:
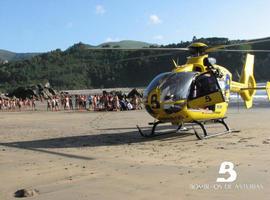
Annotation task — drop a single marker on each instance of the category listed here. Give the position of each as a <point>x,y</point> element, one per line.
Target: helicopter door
<point>205,92</point>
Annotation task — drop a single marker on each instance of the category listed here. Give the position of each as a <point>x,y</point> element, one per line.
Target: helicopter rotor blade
<point>252,41</point>
<point>136,49</point>
<point>146,57</point>
<point>244,50</point>
<point>219,48</point>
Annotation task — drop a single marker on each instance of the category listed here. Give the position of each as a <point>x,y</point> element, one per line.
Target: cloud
<point>109,39</point>
<point>154,19</point>
<point>100,10</point>
<point>158,37</point>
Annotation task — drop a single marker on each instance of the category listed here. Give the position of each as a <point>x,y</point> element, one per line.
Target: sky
<point>45,25</point>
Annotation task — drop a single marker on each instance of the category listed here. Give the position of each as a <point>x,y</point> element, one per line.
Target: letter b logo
<point>227,167</point>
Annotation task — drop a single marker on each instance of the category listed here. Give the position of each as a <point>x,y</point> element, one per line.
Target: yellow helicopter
<point>198,92</point>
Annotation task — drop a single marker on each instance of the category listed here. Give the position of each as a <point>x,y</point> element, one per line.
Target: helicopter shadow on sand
<point>121,137</point>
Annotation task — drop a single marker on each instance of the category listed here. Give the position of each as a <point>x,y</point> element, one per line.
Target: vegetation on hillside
<point>81,68</point>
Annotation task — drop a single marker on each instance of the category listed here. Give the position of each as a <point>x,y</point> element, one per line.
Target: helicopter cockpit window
<point>176,86</point>
<point>155,82</point>
<point>203,85</point>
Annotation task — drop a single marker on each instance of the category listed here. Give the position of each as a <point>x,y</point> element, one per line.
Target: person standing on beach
<point>95,102</point>
<point>116,103</point>
<point>90,102</point>
<point>49,104</point>
<point>33,103</point>
<point>67,106</point>
<point>57,103</point>
<point>70,103</point>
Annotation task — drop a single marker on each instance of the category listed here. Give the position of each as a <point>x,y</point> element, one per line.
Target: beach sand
<point>87,155</point>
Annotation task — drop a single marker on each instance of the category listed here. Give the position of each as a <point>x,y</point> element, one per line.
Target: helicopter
<point>197,93</point>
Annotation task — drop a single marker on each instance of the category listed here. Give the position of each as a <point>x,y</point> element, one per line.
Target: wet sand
<point>87,155</point>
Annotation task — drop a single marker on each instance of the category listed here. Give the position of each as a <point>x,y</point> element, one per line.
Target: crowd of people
<point>114,102</point>
<point>15,104</point>
<point>98,102</point>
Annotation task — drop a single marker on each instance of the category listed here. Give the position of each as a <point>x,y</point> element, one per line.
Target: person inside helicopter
<point>203,85</point>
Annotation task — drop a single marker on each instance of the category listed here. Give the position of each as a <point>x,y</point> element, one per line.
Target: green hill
<point>126,44</point>
<point>11,56</point>
<point>79,67</point>
<point>6,55</point>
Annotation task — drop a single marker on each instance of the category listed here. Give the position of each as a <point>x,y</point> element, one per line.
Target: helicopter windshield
<point>176,86</point>
<point>155,82</point>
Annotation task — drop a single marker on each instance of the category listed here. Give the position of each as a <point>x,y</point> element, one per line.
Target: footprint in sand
<point>220,147</point>
<point>267,141</point>
<point>231,143</point>
<point>252,145</point>
<point>245,139</point>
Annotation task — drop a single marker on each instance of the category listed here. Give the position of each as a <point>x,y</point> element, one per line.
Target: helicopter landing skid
<point>205,135</point>
<point>199,128</point>
<point>153,133</point>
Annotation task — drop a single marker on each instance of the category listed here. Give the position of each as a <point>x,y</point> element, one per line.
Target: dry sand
<point>86,155</point>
